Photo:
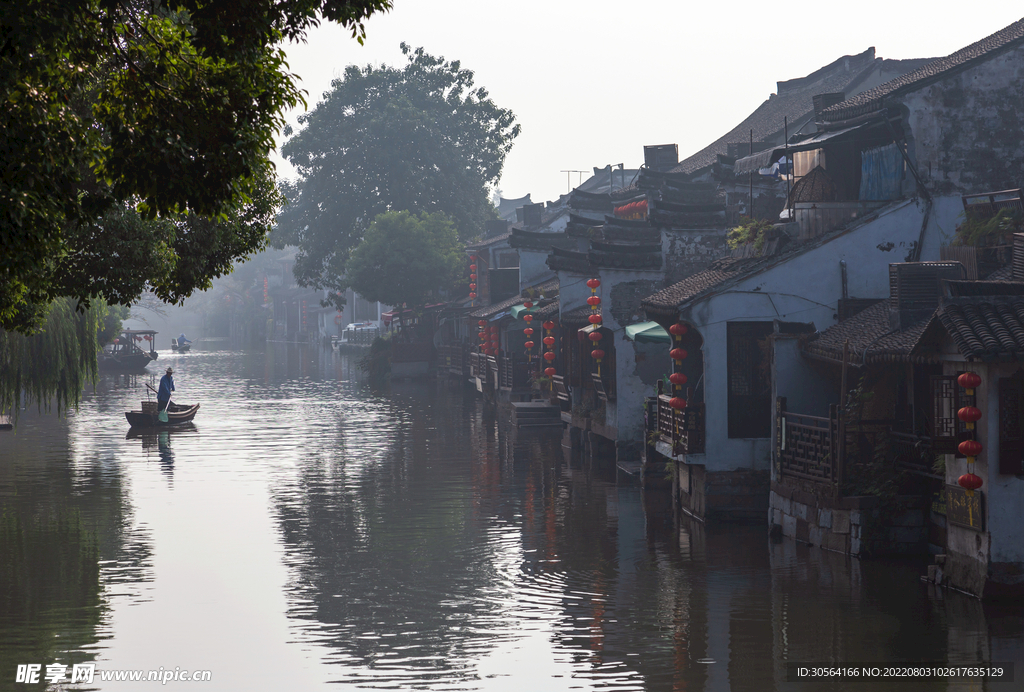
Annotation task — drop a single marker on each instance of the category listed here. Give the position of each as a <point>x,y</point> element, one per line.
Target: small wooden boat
<point>180,346</point>
<point>128,352</point>
<point>177,414</point>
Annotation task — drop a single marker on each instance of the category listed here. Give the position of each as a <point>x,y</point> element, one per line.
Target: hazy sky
<point>591,82</point>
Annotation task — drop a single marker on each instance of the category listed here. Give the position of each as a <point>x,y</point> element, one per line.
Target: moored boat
<point>128,351</point>
<point>177,414</point>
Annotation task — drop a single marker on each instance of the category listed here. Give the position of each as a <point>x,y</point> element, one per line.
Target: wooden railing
<point>514,372</point>
<point>560,389</point>
<point>683,429</point>
<point>808,447</point>
<point>359,336</point>
<point>478,365</point>
<point>452,359</point>
<point>914,454</point>
<point>827,450</point>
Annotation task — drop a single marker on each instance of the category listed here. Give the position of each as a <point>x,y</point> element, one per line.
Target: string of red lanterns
<point>549,355</point>
<point>472,280</point>
<point>595,318</point>
<point>970,448</point>
<point>678,354</point>
<point>528,331</point>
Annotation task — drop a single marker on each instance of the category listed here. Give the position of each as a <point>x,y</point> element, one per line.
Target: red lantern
<point>677,378</point>
<point>593,301</point>
<point>482,335</point>
<point>677,329</point>
<point>472,277</point>
<point>528,304</point>
<point>529,345</point>
<point>528,331</point>
<point>493,343</point>
<point>677,403</point>
<point>593,283</point>
<point>472,267</point>
<point>148,337</point>
<point>970,448</point>
<point>969,414</point>
<point>472,295</point>
<point>594,319</point>
<point>969,380</point>
<point>678,353</point>
<point>472,287</point>
<point>116,341</point>
<point>549,356</point>
<point>528,318</point>
<point>597,354</point>
<point>595,336</point>
<point>482,323</point>
<point>549,325</point>
<point>549,341</point>
<point>550,372</point>
<point>969,482</point>
<point>494,329</point>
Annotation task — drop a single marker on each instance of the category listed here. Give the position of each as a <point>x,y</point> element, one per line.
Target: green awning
<point>648,333</point>
<point>520,310</point>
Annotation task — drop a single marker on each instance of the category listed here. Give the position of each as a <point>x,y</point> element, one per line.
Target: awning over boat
<point>648,333</point>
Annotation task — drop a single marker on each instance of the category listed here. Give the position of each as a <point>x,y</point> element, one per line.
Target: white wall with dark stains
<point>805,288</point>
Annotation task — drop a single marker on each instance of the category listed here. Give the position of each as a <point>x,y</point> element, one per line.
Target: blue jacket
<point>166,387</point>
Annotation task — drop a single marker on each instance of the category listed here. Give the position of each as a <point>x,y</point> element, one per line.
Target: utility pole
<point>568,180</point>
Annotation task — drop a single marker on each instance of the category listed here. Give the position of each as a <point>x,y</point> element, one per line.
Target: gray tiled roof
<point>870,338</point>
<point>794,101</point>
<point>985,327</point>
<point>720,271</point>
<point>872,99</point>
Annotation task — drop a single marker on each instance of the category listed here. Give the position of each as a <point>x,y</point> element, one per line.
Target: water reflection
<point>409,540</point>
<point>159,442</point>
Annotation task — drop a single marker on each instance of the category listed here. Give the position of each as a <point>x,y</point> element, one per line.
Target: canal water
<point>308,531</point>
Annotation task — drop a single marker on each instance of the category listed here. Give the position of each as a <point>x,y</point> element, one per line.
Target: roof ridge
<point>1002,39</point>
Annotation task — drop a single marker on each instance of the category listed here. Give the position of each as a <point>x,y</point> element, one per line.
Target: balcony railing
<point>682,429</point>
<point>833,451</point>
<point>514,372</point>
<point>452,360</point>
<point>808,447</point>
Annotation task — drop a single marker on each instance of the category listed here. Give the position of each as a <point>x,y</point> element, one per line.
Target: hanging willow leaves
<point>52,367</point>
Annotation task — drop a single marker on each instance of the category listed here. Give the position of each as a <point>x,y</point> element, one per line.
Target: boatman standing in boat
<point>166,387</point>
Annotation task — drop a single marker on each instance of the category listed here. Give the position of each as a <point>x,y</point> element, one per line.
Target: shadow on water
<point>158,442</point>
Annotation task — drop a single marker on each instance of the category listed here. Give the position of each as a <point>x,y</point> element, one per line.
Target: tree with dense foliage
<point>405,259</point>
<point>55,364</point>
<point>115,112</point>
<point>421,138</point>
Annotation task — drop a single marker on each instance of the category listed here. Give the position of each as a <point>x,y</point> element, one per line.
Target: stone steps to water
<point>535,414</point>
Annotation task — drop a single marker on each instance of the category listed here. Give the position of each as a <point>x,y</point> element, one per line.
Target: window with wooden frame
<point>749,379</point>
<point>1011,427</point>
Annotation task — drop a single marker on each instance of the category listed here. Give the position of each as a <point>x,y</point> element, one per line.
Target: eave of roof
<point>727,271</point>
<point>873,99</point>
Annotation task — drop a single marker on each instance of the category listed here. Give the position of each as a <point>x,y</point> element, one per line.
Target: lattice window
<point>1011,428</point>
<point>748,359</point>
<point>946,402</point>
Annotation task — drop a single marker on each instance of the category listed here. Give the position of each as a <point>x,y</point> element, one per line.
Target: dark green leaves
<point>421,138</point>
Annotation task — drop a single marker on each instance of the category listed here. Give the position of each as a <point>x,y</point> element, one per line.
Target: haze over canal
<point>308,531</point>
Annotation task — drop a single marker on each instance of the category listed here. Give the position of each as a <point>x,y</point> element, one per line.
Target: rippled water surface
<point>307,531</point>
